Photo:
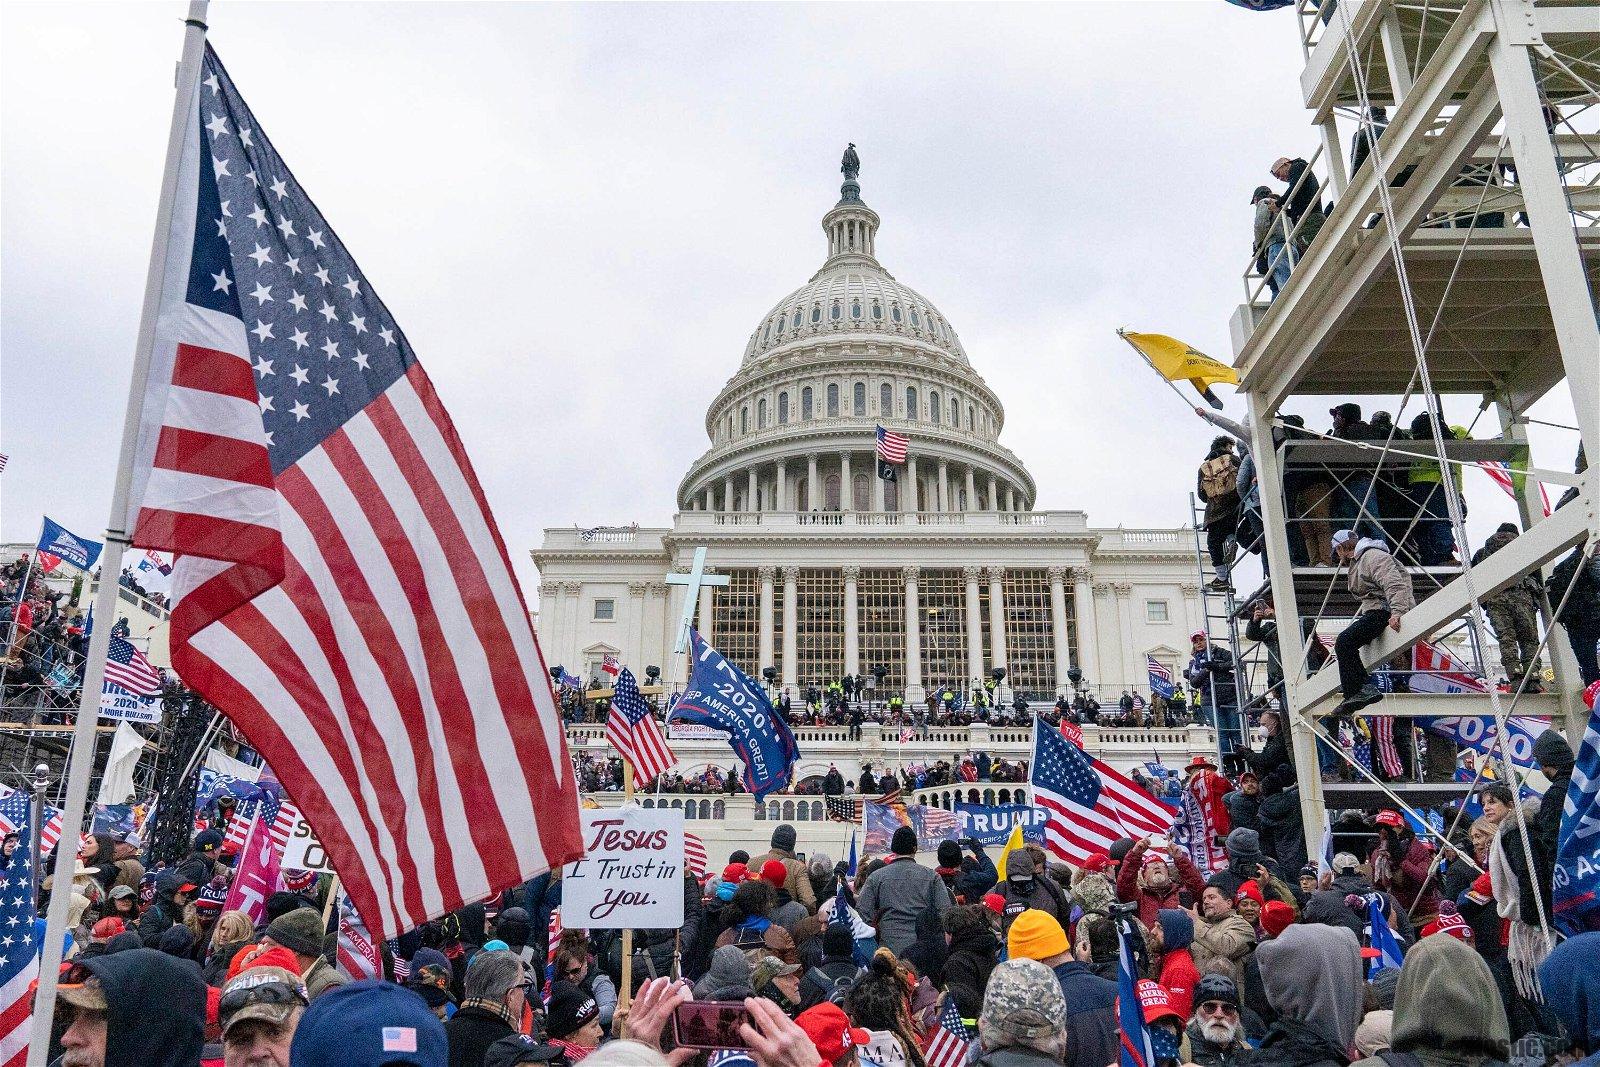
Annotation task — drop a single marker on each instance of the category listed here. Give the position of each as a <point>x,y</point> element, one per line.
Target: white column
<point>813,490</point>
<point>997,627</point>
<point>847,495</point>
<point>1124,592</point>
<point>972,490</point>
<point>791,624</point>
<point>914,691</point>
<point>1011,500</point>
<point>633,651</point>
<point>706,505</point>
<point>782,479</point>
<point>944,486</point>
<point>764,655</point>
<point>1083,608</point>
<point>974,626</point>
<point>909,494</point>
<point>727,492</point>
<point>994,493</point>
<point>1058,627</point>
<point>852,621</point>
<point>752,500</point>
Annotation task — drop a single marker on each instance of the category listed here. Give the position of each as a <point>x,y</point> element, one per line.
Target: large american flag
<point>1087,803</point>
<point>1160,677</point>
<point>14,816</point>
<point>18,963</point>
<point>633,731</point>
<point>341,590</point>
<point>892,446</point>
<point>128,668</point>
<point>694,854</point>
<point>952,1040</point>
<point>358,954</point>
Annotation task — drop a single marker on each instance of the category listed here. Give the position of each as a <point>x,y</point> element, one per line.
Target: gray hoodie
<point>1312,975</point>
<point>1447,1010</point>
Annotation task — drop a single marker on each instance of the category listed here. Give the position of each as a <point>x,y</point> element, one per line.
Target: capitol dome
<point>850,350</point>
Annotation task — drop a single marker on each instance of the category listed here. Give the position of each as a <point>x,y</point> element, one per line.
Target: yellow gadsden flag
<point>1013,843</point>
<point>1176,361</point>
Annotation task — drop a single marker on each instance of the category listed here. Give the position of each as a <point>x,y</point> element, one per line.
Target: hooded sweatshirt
<point>1313,979</point>
<point>1380,582</point>
<point>1570,978</point>
<point>155,1008</point>
<point>1447,1010</point>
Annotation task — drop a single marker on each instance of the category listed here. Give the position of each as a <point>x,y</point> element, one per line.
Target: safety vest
<point>1426,471</point>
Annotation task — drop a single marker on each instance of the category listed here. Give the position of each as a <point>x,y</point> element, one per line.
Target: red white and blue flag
<point>127,668</point>
<point>340,588</point>
<point>952,1041</point>
<point>632,730</point>
<point>1088,804</point>
<point>1160,677</point>
<point>892,446</point>
<point>18,954</point>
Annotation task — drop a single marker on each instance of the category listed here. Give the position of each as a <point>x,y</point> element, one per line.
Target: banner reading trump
<point>724,698</point>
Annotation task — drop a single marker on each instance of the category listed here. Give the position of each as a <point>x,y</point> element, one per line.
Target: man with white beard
<point>1216,1033</point>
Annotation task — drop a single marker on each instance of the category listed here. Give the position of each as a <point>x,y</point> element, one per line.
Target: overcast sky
<point>579,213</point>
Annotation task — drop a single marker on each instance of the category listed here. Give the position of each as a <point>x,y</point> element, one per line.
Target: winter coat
<point>769,934</point>
<point>1220,946</point>
<point>1204,1054</point>
<point>1380,582</point>
<point>1179,977</point>
<point>1091,1016</point>
<point>1151,901</point>
<point>155,1008</point>
<point>1414,892</point>
<point>1292,1044</point>
<point>1018,1056</point>
<point>895,897</point>
<point>321,978</point>
<point>972,958</point>
<point>972,884</point>
<point>1447,1010</point>
<point>797,881</point>
<point>820,981</point>
<point>470,1032</point>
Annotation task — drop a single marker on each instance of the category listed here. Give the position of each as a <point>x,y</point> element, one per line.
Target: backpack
<point>833,990</point>
<point>1219,478</point>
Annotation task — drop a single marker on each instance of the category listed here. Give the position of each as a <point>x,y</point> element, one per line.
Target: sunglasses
<point>572,972</point>
<point>1217,1007</point>
<point>266,993</point>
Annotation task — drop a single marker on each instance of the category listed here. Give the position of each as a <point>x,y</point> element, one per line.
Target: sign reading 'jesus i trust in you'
<point>632,876</point>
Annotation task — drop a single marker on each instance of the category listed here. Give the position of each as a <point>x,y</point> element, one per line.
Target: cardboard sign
<point>303,852</point>
<point>632,875</point>
<point>117,703</point>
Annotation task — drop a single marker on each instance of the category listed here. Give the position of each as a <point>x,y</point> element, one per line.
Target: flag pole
<point>81,760</point>
<point>625,994</point>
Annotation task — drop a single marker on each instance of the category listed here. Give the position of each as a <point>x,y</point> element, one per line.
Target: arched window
<point>816,312</point>
<point>972,418</point>
<point>767,335</point>
<point>761,414</point>
<point>783,409</point>
<point>835,311</point>
<point>894,312</point>
<point>730,425</point>
<point>719,809</point>
<point>855,309</point>
<point>961,499</point>
<point>934,411</point>
<point>744,420</point>
<point>788,810</point>
<point>830,493</point>
<point>805,404</point>
<point>877,311</point>
<point>859,399</point>
<point>861,492</point>
<point>911,403</point>
<point>833,398</point>
<point>955,413</point>
<point>886,400</point>
<point>802,812</point>
<point>916,319</point>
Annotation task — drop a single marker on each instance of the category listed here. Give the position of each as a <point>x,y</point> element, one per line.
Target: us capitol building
<point>937,577</point>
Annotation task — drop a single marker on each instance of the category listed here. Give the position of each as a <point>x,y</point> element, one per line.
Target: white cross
<point>694,580</point>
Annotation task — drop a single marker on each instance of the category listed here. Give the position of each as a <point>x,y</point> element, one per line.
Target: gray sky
<point>579,213</point>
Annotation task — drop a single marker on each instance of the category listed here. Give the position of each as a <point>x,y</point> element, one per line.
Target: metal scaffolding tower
<point>1460,256</point>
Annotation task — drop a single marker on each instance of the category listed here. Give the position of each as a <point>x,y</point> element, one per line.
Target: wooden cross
<point>694,580</point>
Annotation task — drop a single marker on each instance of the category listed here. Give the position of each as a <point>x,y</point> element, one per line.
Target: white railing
<point>1034,521</point>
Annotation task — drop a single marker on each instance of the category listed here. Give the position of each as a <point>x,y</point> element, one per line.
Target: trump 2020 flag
<point>339,587</point>
<point>1576,899</point>
<point>724,698</point>
<point>1135,1048</point>
<point>1380,938</point>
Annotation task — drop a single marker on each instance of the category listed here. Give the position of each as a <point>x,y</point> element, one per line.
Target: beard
<point>1220,1031</point>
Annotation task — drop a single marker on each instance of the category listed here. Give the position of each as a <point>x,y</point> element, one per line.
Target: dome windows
<point>796,323</point>
<point>744,420</point>
<point>877,311</point>
<point>859,400</point>
<point>783,409</point>
<point>911,402</point>
<point>833,399</point>
<point>955,413</point>
<point>894,312</point>
<point>916,320</point>
<point>761,414</point>
<point>855,309</point>
<point>805,404</point>
<point>816,312</point>
<point>972,419</point>
<point>835,311</point>
<point>886,399</point>
<point>933,406</point>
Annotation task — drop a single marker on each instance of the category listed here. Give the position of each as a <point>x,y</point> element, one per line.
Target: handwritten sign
<point>632,877</point>
<point>303,852</point>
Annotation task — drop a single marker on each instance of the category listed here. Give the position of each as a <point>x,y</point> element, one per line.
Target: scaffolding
<point>1458,257</point>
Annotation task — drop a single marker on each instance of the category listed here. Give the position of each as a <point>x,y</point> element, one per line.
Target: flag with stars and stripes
<point>952,1041</point>
<point>13,816</point>
<point>694,855</point>
<point>127,668</point>
<point>632,730</point>
<point>19,964</point>
<point>340,588</point>
<point>844,809</point>
<point>1088,804</point>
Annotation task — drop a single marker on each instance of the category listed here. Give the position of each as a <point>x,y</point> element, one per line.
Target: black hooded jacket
<point>155,1008</point>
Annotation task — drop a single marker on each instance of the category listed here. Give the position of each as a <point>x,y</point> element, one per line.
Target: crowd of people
<point>1255,962</point>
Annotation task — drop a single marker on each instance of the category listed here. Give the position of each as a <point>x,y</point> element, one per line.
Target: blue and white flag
<point>1576,898</point>
<point>1137,1050</point>
<point>723,697</point>
<point>58,541</point>
<point>1160,677</point>
<point>1381,938</point>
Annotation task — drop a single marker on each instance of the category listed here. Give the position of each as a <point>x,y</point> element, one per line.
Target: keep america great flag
<point>341,590</point>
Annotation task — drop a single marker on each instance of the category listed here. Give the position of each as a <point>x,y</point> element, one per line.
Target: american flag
<point>358,955</point>
<point>402,967</point>
<point>127,668</point>
<point>844,809</point>
<point>1088,804</point>
<point>269,808</point>
<point>1160,677</point>
<point>552,941</point>
<point>340,588</point>
<point>1072,732</point>
<point>891,446</point>
<point>14,816</point>
<point>283,823</point>
<point>936,820</point>
<point>694,855</point>
<point>18,961</point>
<point>953,1039</point>
<point>633,731</point>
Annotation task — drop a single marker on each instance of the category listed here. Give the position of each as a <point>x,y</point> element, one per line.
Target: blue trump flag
<point>1136,1048</point>
<point>58,541</point>
<point>1576,897</point>
<point>1380,938</point>
<point>723,697</point>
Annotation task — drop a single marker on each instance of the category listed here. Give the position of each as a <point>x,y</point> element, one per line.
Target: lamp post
<point>40,784</point>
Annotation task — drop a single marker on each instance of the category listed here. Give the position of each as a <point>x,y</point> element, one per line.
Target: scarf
<point>494,1007</point>
<point>574,1053</point>
<point>1527,945</point>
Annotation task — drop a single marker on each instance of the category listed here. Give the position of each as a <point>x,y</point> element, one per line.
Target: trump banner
<point>57,541</point>
<point>258,874</point>
<point>1577,874</point>
<point>724,698</point>
<point>990,824</point>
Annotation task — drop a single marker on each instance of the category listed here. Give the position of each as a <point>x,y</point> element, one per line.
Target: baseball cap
<point>369,1024</point>
<point>1156,1002</point>
<point>1344,861</point>
<point>830,1031</point>
<point>81,988</point>
<point>774,873</point>
<point>1389,817</point>
<point>269,994</point>
<point>120,891</point>
<point>1341,536</point>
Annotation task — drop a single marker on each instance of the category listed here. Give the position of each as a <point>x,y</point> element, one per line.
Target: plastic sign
<point>631,876</point>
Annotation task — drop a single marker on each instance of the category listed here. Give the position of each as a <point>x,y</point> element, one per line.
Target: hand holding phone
<point>709,1024</point>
